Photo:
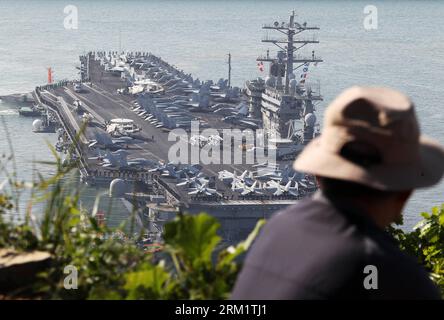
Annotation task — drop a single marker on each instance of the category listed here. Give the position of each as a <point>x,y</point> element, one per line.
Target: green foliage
<point>149,282</point>
<point>193,265</point>
<point>426,242</point>
<point>194,239</point>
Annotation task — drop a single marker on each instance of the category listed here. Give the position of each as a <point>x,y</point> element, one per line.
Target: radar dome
<point>310,120</point>
<point>117,188</point>
<point>37,124</point>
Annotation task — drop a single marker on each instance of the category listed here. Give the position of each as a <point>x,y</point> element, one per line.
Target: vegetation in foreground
<point>192,264</point>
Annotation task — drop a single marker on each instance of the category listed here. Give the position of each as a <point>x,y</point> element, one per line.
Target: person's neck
<point>380,212</point>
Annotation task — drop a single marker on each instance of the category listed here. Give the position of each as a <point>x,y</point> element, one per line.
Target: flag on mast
<point>260,65</point>
<point>304,73</point>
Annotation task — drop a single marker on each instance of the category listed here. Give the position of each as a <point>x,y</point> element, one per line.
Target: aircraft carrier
<point>128,111</point>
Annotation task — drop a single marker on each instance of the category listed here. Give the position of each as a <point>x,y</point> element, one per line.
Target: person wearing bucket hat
<point>368,160</point>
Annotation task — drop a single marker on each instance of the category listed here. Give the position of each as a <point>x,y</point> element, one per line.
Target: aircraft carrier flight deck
<point>122,111</point>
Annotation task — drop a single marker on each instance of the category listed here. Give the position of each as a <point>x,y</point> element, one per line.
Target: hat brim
<point>316,160</point>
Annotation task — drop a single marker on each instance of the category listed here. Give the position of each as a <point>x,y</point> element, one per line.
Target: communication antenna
<point>289,45</point>
<point>120,41</point>
<point>229,70</point>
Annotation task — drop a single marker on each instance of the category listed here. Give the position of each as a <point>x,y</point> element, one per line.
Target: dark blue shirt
<point>319,250</point>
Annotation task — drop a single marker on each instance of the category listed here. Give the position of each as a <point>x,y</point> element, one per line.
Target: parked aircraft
<point>203,189</point>
<point>200,179</point>
<point>245,189</point>
<point>279,189</point>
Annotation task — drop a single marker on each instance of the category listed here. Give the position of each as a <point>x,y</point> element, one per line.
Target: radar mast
<point>289,46</point>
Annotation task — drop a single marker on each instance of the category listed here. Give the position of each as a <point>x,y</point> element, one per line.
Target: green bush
<point>426,243</point>
<point>191,266</point>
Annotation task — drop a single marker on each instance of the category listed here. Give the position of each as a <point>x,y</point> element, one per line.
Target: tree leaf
<point>194,237</point>
<point>147,283</point>
<point>425,215</point>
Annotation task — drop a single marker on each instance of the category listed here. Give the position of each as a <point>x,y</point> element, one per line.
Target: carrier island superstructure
<point>121,115</point>
<point>284,98</point>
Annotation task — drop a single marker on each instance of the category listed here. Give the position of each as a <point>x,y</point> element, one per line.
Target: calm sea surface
<point>405,52</point>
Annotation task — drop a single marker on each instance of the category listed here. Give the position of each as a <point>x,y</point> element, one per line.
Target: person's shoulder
<point>307,250</point>
<point>311,213</point>
<point>308,234</point>
<point>311,249</point>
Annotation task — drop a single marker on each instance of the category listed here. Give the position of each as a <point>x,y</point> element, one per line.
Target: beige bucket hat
<point>385,120</point>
